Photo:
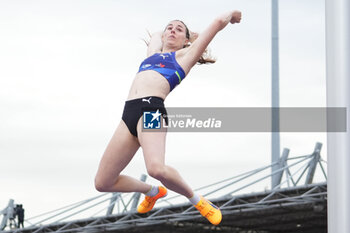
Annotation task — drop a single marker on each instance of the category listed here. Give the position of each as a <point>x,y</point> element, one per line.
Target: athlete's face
<point>174,35</point>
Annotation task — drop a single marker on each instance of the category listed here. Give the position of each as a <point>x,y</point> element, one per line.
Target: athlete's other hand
<point>193,36</point>
<point>236,17</point>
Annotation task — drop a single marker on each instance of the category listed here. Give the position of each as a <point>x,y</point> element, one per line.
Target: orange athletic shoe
<point>209,211</point>
<point>148,203</point>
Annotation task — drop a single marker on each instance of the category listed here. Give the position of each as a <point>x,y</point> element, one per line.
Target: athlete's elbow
<point>223,20</point>
<point>219,23</point>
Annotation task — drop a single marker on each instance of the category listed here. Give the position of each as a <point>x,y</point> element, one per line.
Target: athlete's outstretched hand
<point>236,17</point>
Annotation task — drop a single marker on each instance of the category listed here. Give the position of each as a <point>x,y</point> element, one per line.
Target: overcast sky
<point>66,68</point>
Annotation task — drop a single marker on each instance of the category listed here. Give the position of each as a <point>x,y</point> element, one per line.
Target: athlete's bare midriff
<point>149,83</point>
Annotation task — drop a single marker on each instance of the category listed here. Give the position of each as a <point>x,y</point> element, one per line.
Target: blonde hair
<point>206,56</point>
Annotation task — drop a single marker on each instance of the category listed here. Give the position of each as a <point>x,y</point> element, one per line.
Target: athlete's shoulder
<point>181,53</point>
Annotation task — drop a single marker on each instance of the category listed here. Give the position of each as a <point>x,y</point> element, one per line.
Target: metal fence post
<point>8,213</point>
<point>313,163</point>
<point>281,163</point>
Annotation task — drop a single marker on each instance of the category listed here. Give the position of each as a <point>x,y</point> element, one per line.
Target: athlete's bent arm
<point>155,45</point>
<point>195,51</point>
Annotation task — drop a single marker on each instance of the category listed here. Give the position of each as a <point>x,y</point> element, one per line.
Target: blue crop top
<point>166,65</point>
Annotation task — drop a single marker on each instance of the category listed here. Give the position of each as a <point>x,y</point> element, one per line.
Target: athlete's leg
<point>120,150</point>
<point>153,147</point>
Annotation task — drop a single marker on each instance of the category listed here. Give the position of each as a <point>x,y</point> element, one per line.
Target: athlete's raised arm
<point>155,44</point>
<point>196,49</point>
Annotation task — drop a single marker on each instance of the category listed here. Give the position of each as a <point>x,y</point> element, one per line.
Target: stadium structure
<point>295,204</point>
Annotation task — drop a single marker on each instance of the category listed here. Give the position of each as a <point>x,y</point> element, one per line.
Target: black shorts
<point>134,109</point>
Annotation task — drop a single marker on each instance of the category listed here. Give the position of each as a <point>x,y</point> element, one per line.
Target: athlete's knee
<point>157,171</point>
<point>102,185</point>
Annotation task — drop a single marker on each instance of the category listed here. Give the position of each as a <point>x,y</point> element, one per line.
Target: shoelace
<point>148,203</point>
<point>211,208</point>
<point>202,206</point>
